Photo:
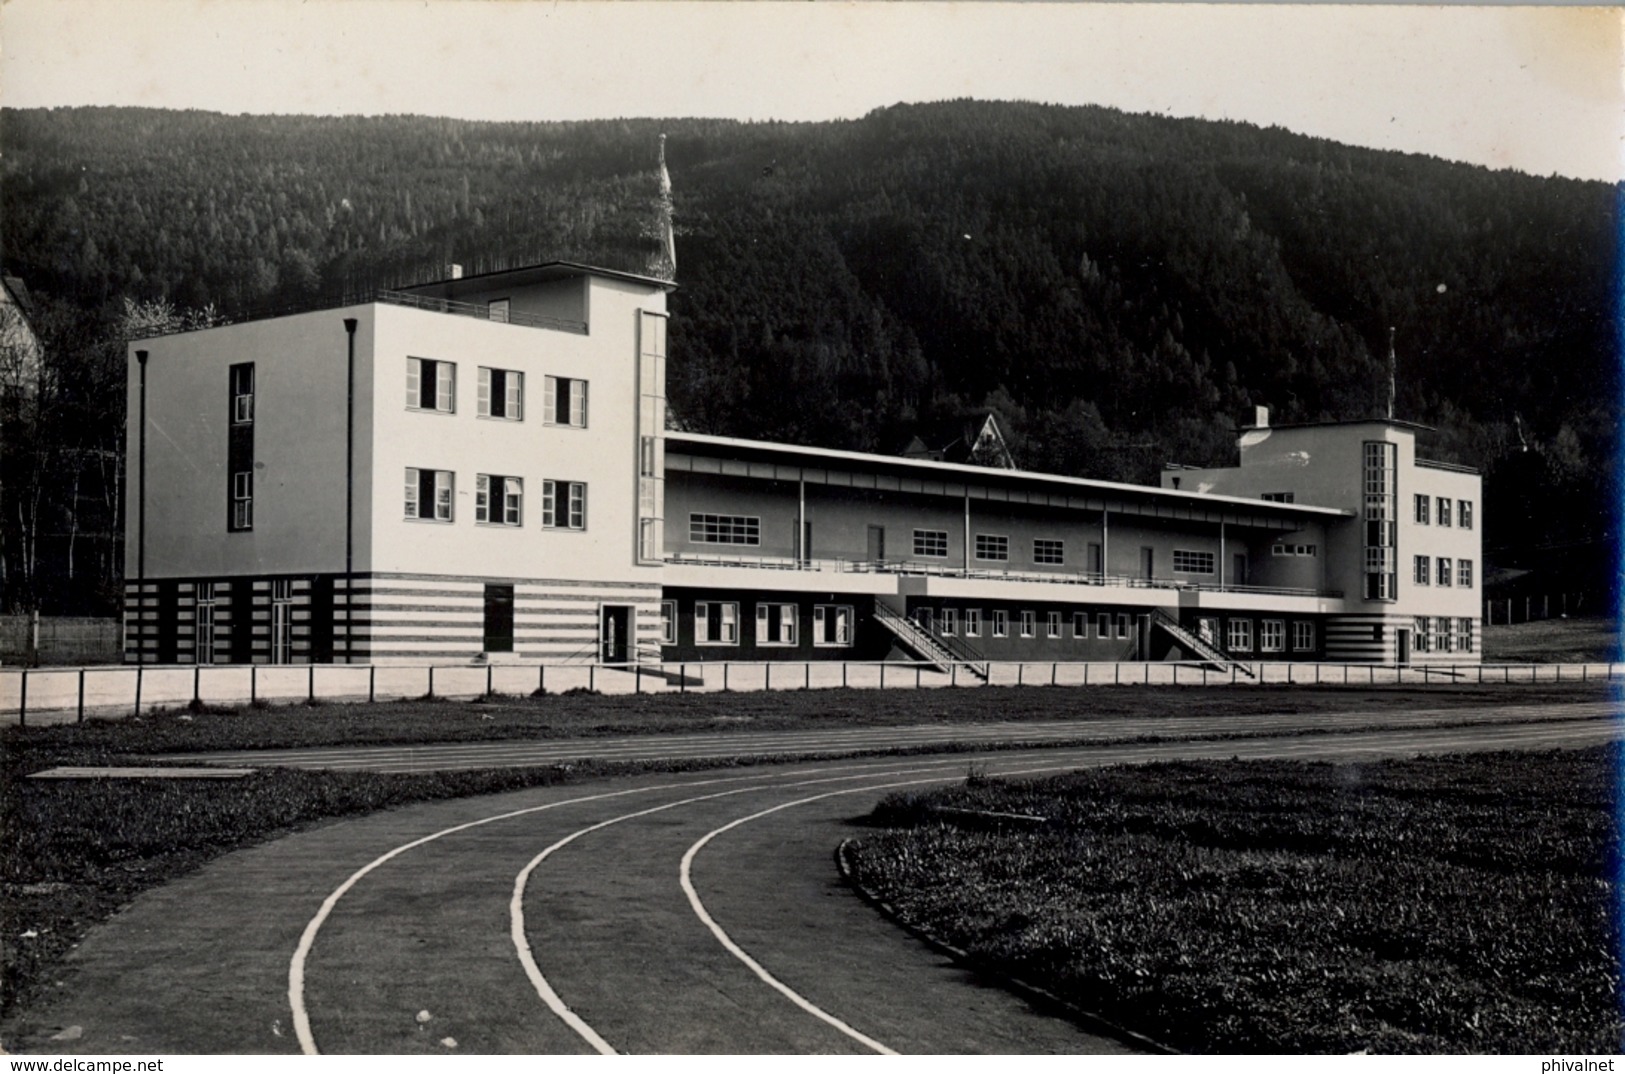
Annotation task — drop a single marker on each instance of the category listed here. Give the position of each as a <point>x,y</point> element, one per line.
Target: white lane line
<point>307,940</point>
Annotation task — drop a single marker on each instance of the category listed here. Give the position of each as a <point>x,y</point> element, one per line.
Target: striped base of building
<point>1391,639</point>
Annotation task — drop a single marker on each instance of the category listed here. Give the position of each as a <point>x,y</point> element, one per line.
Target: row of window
<point>716,622</point>
<point>499,499</point>
<point>1421,572</point>
<point>950,622</point>
<point>431,384</point>
<point>1436,635</point>
<point>203,622</point>
<point>1425,511</point>
<point>1272,635</point>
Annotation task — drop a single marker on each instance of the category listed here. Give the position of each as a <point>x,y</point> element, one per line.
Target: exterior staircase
<point>1191,643</point>
<point>943,653</point>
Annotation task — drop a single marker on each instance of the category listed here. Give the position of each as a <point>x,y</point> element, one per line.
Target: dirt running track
<point>561,920</point>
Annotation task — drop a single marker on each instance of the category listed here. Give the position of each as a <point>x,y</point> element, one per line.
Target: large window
<point>1464,573</point>
<point>973,622</point>
<point>1192,562</point>
<point>1048,551</point>
<point>1464,513</point>
<point>1278,497</point>
<point>1239,635</point>
<point>203,623</point>
<point>1054,621</point>
<point>281,620</point>
<point>724,529</point>
<point>775,624</point>
<point>950,622</point>
<point>242,500</point>
<point>1080,625</point>
<point>1444,570</point>
<point>832,624</point>
<point>716,622</point>
<point>1447,636</point>
<point>1028,624</point>
<point>668,622</point>
<point>1420,572</point>
<point>564,401</point>
<point>1424,634</point>
<point>992,547</point>
<point>498,499</point>
<point>1464,635</point>
<point>1422,508</point>
<point>1272,636</point>
<point>431,385</point>
<point>1381,463</point>
<point>242,393</point>
<point>564,505</point>
<point>1444,510</point>
<point>931,543</point>
<point>502,394</point>
<point>1103,626</point>
<point>1303,637</point>
<point>1123,626</point>
<point>1001,623</point>
<point>429,494</point>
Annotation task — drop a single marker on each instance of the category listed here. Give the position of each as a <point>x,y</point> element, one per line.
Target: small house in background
<point>972,440</point>
<point>20,350</point>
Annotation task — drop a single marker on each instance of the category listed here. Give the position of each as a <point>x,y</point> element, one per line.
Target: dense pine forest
<point>1121,289</point>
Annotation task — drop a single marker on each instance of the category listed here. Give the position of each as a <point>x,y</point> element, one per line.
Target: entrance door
<point>877,544</point>
<point>499,618</point>
<point>614,633</point>
<point>1402,647</point>
<point>803,542</point>
<point>1238,570</point>
<point>1147,563</point>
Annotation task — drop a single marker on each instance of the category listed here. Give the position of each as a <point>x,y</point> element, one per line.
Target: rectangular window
<point>1303,637</point>
<point>668,622</point>
<point>832,624</point>
<point>992,547</point>
<point>1444,570</point>
<point>725,529</point>
<point>203,623</point>
<point>1239,635</point>
<point>1464,573</point>
<point>1080,625</point>
<point>502,394</point>
<point>931,543</point>
<point>1122,626</point>
<point>1419,569</point>
<point>1048,551</point>
<point>1447,636</point>
<point>497,309</point>
<point>429,494</point>
<point>1192,562</point>
<point>1272,636</point>
<point>1422,504</point>
<point>950,622</point>
<point>498,499</point>
<point>1380,476</point>
<point>564,402</point>
<point>1464,635</point>
<point>1054,624</point>
<point>1464,514</point>
<point>1028,622</point>
<point>564,505</point>
<point>431,385</point>
<point>716,622</point>
<point>242,500</point>
<point>647,466</point>
<point>973,622</point>
<point>1277,497</point>
<point>242,393</point>
<point>1097,563</point>
<point>1207,628</point>
<point>1444,511</point>
<point>1001,623</point>
<point>281,620</point>
<point>1424,634</point>
<point>775,624</point>
<point>1103,625</point>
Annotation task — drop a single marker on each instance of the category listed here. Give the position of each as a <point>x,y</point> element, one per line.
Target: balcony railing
<point>939,570</point>
<point>366,297</point>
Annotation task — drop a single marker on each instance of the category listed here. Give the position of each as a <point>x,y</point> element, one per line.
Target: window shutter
<point>700,618</point>
<point>482,498</point>
<point>511,383</point>
<point>445,374</point>
<point>578,403</point>
<point>730,622</point>
<point>485,393</point>
<point>414,381</point>
<point>550,414</point>
<point>763,631</point>
<point>411,492</point>
<point>549,514</point>
<point>442,495</point>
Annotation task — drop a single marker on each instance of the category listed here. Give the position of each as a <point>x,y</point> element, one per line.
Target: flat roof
<point>705,444</point>
<point>525,274</point>
<point>1392,422</point>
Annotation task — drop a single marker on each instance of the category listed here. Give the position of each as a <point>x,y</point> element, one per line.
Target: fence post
<point>1019,669</point>
<point>843,674</point>
<point>541,678</point>
<point>592,677</point>
<point>767,675</point>
<point>81,718</point>
<point>253,684</point>
<point>431,680</point>
<point>311,692</point>
<point>22,703</point>
<point>1052,668</point>
<point>806,682</point>
<point>372,682</point>
<point>882,674</point>
<point>637,678</point>
<point>138,670</point>
<point>953,674</point>
<point>1086,674</point>
<point>489,671</point>
<point>682,678</point>
<point>197,683</point>
<point>916,676</point>
<point>725,676</point>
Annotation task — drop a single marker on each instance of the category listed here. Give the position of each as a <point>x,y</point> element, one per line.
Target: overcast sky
<point>1539,89</point>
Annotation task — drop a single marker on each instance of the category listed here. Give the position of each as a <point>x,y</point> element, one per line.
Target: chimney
<point>1261,417</point>
<point>456,272</point>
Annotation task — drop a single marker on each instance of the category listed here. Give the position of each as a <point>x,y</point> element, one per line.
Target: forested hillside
<point>1120,288</point>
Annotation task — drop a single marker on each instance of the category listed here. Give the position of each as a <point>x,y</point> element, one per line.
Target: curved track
<point>696,913</point>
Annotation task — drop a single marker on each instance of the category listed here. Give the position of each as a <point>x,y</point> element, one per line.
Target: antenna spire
<point>1393,366</point>
<point>664,264</point>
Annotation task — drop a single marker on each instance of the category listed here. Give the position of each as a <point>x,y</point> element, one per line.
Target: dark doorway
<point>615,630</point>
<point>499,618</point>
<point>877,544</point>
<point>1148,563</point>
<point>1402,647</point>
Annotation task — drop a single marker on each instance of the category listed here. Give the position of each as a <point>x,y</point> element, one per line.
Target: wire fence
<point>32,696</point>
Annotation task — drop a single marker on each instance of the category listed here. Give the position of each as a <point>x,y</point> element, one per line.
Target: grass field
<point>1459,904</point>
<point>1552,641</point>
<point>73,852</point>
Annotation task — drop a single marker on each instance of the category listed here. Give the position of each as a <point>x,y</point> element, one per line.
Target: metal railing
<point>941,650</point>
<point>938,570</point>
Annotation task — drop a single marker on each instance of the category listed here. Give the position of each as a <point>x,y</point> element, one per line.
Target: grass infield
<point>73,852</point>
<point>1450,904</point>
